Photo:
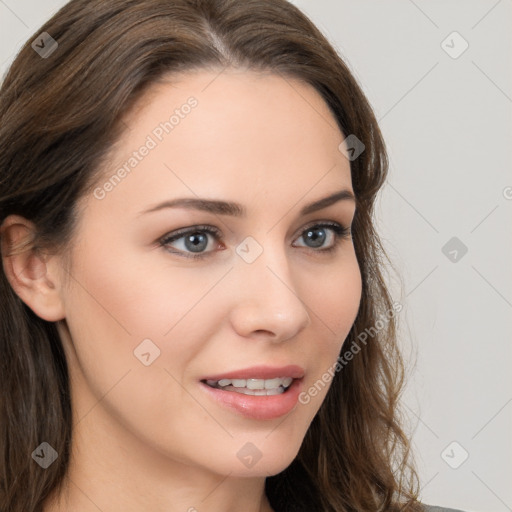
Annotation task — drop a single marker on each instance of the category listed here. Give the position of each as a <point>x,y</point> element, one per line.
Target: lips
<point>257,407</point>
<point>260,372</point>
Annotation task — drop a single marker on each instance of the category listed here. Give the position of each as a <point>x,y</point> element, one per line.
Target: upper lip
<point>261,372</point>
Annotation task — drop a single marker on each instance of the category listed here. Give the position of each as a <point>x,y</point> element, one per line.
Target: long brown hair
<point>60,115</point>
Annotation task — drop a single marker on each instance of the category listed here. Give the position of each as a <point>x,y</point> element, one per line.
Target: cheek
<point>334,299</point>
<point>126,296</point>
<point>117,304</point>
<point>334,304</point>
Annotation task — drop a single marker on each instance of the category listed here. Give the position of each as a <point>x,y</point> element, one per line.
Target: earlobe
<point>27,269</point>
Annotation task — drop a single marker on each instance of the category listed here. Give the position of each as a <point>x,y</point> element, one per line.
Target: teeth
<point>258,387</point>
<point>254,392</point>
<point>255,384</point>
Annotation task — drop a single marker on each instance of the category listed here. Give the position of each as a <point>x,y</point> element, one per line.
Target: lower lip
<point>258,407</point>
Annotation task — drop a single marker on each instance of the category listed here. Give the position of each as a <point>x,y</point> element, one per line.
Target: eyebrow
<point>237,210</point>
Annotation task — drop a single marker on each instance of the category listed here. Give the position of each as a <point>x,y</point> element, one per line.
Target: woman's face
<point>147,323</point>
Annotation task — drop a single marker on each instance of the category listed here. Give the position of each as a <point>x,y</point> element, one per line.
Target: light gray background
<point>448,125</point>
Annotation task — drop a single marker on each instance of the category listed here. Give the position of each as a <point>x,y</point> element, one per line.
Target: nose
<point>267,301</point>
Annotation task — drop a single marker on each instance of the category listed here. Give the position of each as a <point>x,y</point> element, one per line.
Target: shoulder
<point>432,508</point>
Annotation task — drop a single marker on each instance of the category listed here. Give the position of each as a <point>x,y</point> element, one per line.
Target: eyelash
<point>340,233</point>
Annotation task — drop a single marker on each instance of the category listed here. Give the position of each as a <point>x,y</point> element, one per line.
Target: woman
<point>190,268</point>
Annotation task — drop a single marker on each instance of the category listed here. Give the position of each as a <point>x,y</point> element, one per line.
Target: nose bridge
<point>267,298</point>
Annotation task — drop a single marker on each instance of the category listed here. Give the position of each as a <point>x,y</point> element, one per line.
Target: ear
<point>32,274</point>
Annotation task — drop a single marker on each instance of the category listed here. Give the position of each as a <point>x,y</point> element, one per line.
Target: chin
<point>266,458</point>
<point>261,469</point>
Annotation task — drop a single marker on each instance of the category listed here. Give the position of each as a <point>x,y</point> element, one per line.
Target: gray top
<point>432,508</point>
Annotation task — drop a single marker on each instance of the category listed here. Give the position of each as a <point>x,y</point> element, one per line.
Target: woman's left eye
<point>194,240</point>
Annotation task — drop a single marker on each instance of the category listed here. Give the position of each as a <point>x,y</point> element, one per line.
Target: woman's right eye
<point>192,239</point>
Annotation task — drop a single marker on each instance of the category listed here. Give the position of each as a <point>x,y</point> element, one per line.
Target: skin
<point>147,438</point>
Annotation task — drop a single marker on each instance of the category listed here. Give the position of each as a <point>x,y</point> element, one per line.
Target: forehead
<point>229,132</point>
